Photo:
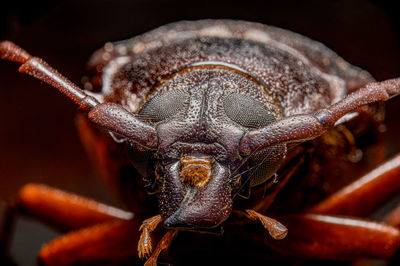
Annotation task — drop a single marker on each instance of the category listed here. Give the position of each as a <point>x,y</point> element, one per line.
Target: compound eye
<point>162,106</point>
<point>247,111</point>
<point>267,163</point>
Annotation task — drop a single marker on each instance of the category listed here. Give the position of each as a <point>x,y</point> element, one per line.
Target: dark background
<point>38,139</point>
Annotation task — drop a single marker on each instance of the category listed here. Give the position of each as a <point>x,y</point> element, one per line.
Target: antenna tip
<point>12,52</point>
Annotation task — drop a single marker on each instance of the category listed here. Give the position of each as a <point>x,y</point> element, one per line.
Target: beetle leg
<point>275,229</point>
<point>54,207</point>
<point>338,238</point>
<point>145,246</point>
<point>164,243</point>
<point>355,199</point>
<point>107,242</point>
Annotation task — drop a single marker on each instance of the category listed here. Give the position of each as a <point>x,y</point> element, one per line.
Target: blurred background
<point>38,139</point>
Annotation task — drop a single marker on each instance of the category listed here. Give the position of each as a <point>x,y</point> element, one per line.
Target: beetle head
<point>193,124</point>
<point>199,116</point>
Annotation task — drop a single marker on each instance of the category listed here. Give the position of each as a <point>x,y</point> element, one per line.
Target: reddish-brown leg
<point>164,243</point>
<point>110,242</point>
<point>63,210</point>
<point>336,238</point>
<point>106,234</point>
<point>318,235</point>
<point>364,195</point>
<point>145,246</point>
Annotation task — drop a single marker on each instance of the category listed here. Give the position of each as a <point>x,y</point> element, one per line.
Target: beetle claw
<point>145,246</point>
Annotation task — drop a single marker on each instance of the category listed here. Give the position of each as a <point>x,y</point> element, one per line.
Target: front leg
<point>64,210</point>
<point>366,194</point>
<point>324,234</point>
<point>145,246</point>
<point>317,236</point>
<point>106,243</point>
<point>164,243</point>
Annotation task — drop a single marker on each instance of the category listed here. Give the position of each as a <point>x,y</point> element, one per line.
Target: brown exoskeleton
<point>203,114</point>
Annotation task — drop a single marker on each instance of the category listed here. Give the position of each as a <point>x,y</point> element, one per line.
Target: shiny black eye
<point>246,111</point>
<point>162,106</point>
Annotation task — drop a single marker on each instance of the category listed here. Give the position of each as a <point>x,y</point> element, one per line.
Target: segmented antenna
<point>39,69</point>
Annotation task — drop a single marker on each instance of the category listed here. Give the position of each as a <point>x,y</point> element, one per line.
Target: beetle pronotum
<point>204,113</point>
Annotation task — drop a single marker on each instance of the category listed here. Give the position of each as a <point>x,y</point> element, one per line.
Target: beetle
<point>218,123</point>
